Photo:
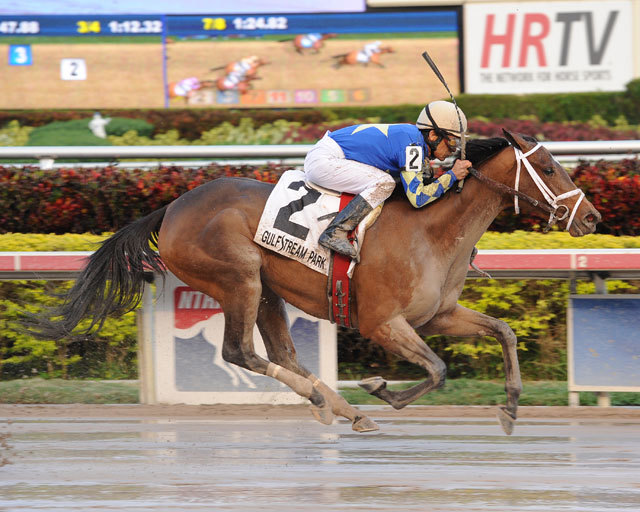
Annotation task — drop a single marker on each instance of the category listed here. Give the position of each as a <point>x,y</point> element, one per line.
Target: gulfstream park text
<point>283,244</point>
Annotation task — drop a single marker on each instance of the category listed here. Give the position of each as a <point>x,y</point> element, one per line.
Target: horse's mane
<point>479,150</point>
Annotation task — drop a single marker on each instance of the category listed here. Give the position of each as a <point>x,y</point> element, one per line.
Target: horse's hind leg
<point>466,322</point>
<point>273,325</point>
<point>240,314</point>
<point>398,337</point>
<point>238,289</point>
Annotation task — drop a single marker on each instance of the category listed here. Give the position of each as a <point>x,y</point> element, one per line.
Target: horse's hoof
<point>364,424</point>
<point>323,414</point>
<point>507,421</point>
<point>372,384</point>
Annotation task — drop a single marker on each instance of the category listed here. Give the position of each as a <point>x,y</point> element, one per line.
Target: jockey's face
<point>447,147</point>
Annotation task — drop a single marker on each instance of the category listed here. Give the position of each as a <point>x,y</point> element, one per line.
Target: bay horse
<point>233,83</point>
<point>245,67</point>
<point>311,42</point>
<point>361,57</point>
<point>412,270</point>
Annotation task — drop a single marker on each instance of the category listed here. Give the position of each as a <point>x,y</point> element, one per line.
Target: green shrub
<point>110,354</point>
<point>120,125</point>
<point>14,135</point>
<point>65,133</point>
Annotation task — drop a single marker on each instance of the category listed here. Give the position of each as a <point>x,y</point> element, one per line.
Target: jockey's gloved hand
<point>427,172</point>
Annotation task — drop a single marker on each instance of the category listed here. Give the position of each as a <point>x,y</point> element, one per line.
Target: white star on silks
<point>384,128</point>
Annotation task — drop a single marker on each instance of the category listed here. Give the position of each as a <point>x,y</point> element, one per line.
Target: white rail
<point>276,152</point>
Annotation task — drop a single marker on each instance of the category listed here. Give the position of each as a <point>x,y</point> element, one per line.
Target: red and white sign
<point>192,307</point>
<point>541,47</point>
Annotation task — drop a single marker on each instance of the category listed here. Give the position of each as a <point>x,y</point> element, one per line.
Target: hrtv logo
<point>575,27</point>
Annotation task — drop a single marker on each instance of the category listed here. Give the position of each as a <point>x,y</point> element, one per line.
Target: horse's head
<point>534,172</point>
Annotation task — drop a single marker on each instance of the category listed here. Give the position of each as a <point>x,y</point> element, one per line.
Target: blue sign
<point>20,55</point>
<point>269,24</point>
<point>97,25</point>
<point>219,24</point>
<point>604,348</point>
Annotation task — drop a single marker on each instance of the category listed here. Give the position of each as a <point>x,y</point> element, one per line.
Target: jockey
<point>310,40</point>
<point>370,49</point>
<point>185,87</point>
<point>364,160</point>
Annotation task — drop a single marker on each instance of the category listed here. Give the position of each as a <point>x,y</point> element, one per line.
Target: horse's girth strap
<point>339,284</point>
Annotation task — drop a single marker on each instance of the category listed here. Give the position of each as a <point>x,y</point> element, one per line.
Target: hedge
<point>546,107</point>
<point>491,240</point>
<point>106,199</point>
<point>534,309</point>
<point>132,132</point>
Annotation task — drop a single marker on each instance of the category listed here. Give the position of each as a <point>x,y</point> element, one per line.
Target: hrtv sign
<point>547,47</point>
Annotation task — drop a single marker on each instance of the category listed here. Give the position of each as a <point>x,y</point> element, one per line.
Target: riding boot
<point>335,236</point>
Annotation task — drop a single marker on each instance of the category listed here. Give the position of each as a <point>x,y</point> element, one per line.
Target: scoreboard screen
<point>226,60</point>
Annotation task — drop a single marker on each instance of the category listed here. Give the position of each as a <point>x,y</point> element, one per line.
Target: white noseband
<point>550,197</point>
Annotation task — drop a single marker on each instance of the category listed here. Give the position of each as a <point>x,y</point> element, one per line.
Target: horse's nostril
<point>592,218</point>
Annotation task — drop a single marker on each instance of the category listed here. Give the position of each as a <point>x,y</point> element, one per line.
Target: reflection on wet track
<point>292,465</point>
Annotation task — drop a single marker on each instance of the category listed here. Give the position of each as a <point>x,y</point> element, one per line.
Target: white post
<point>574,399</point>
<point>604,400</point>
<point>601,284</point>
<point>145,348</point>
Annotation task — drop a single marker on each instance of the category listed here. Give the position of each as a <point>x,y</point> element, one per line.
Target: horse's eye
<point>548,171</point>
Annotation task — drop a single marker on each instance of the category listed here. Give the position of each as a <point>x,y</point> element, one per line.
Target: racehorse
<point>233,83</point>
<point>311,42</point>
<point>205,237</point>
<point>188,87</point>
<point>245,67</point>
<point>361,57</point>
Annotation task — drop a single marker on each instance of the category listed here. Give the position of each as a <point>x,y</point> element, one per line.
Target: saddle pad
<point>293,219</point>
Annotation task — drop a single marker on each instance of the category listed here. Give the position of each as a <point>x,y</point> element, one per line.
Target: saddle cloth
<point>294,218</point>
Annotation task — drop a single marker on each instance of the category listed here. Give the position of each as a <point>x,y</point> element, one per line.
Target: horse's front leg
<point>466,322</point>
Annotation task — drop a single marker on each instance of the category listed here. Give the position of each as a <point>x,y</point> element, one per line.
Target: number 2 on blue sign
<point>20,55</point>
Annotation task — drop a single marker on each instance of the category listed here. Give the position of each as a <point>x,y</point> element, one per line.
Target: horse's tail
<point>110,285</point>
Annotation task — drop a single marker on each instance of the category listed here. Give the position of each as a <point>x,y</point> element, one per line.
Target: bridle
<point>552,206</point>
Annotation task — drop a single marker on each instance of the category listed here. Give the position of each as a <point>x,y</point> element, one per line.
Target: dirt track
<point>118,76</point>
<point>277,459</point>
<point>268,412</point>
<point>405,78</point>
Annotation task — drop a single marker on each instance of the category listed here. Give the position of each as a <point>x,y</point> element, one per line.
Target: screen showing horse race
<point>226,60</point>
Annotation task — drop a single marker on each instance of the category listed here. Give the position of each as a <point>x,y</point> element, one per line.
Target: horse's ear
<point>512,140</point>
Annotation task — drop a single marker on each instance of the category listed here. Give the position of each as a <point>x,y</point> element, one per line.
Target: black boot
<point>335,236</point>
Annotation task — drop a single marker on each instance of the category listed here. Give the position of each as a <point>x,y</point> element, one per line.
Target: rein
<point>551,208</point>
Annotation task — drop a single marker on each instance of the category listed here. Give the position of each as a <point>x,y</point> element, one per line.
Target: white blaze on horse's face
<point>550,197</point>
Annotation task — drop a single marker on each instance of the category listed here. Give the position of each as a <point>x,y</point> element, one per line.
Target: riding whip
<point>463,138</point>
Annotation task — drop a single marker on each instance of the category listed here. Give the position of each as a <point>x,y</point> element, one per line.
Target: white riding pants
<point>326,166</point>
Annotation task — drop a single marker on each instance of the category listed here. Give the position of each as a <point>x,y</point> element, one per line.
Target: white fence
<point>294,153</point>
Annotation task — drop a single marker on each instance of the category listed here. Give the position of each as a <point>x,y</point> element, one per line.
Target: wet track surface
<point>104,464</point>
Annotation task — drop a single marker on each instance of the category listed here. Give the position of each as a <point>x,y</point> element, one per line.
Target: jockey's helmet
<point>441,116</point>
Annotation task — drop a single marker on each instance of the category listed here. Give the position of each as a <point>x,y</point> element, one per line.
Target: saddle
<point>341,267</point>
<point>294,216</point>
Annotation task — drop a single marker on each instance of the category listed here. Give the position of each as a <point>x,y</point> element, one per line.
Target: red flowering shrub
<point>614,189</point>
<point>99,200</point>
<point>106,199</point>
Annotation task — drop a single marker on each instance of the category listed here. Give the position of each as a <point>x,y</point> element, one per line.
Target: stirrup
<point>339,245</point>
